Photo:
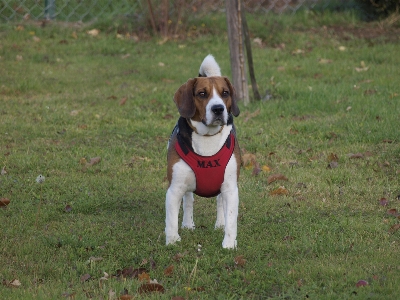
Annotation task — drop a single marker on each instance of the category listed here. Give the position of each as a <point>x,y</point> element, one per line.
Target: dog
<point>203,153</point>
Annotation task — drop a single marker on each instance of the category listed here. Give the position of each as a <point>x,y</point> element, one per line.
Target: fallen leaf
<point>129,272</point>
<point>361,283</point>
<point>168,271</point>
<point>3,170</point>
<point>333,157</point>
<point>144,277</point>
<point>297,51</point>
<point>387,141</point>
<point>13,283</point>
<point>325,61</point>
<point>126,297</point>
<point>249,160</point>
<point>85,277</point>
<point>123,101</point>
<point>93,32</point>
<point>275,177</point>
<point>392,212</point>
<point>342,48</point>
<point>93,161</point>
<point>151,287</point>
<point>394,228</point>
<point>240,261</point>
<point>357,155</point>
<point>257,41</point>
<point>68,208</point>
<point>256,169</point>
<point>266,168</point>
<point>4,202</point>
<point>279,191</point>
<point>178,256</point>
<point>383,202</point>
<point>74,112</point>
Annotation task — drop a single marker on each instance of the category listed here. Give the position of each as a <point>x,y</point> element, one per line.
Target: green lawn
<point>331,128</point>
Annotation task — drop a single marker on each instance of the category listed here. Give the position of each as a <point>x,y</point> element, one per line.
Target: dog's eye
<point>225,94</point>
<point>202,94</point>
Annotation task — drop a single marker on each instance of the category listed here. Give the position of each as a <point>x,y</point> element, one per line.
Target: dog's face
<point>207,99</point>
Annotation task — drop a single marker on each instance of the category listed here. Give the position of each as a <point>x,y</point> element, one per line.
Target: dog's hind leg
<point>220,223</point>
<point>187,221</point>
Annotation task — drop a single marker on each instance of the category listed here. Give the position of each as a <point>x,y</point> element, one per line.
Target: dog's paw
<point>188,225</point>
<point>229,244</point>
<point>219,226</point>
<point>172,239</point>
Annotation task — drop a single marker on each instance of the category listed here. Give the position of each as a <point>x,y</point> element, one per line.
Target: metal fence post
<point>49,9</point>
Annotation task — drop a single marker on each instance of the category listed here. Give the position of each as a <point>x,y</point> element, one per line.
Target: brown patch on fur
<point>238,157</point>
<point>172,157</point>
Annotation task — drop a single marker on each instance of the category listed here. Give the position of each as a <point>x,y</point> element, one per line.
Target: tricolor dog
<point>203,152</point>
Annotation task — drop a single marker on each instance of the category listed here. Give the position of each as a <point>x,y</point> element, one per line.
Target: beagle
<point>203,153</point>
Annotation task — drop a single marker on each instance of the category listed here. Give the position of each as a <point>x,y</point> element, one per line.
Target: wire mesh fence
<point>88,10</point>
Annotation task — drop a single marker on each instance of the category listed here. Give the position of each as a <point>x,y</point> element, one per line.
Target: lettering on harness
<point>208,163</point>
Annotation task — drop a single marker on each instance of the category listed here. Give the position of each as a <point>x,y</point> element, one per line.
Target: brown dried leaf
<point>361,283</point>
<point>151,287</point>
<point>168,271</point>
<point>123,101</point>
<point>394,228</point>
<point>383,202</point>
<point>129,272</point>
<point>392,212</point>
<point>357,155</point>
<point>126,297</point>
<point>256,169</point>
<point>275,177</point>
<point>279,191</point>
<point>68,208</point>
<point>240,261</point>
<point>248,159</point>
<point>93,161</point>
<point>333,157</point>
<point>85,277</point>
<point>178,256</point>
<point>4,202</point>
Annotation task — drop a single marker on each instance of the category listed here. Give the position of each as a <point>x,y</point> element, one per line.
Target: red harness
<point>209,170</point>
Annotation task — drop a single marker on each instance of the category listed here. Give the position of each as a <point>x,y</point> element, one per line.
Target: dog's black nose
<point>217,109</point>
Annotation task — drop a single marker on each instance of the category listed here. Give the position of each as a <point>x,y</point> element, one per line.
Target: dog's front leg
<point>188,201</point>
<point>172,205</point>
<point>230,201</point>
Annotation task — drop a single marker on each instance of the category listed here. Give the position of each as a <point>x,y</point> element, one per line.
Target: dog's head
<point>209,100</point>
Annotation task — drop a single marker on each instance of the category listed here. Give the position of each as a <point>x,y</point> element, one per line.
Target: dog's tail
<point>209,67</point>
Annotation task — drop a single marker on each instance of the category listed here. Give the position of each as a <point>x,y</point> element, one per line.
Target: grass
<point>61,102</point>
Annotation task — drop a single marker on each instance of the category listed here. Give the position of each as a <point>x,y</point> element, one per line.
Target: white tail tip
<point>209,67</point>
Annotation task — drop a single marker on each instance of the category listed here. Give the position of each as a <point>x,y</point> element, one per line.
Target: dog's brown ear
<point>184,99</point>
<point>234,107</point>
